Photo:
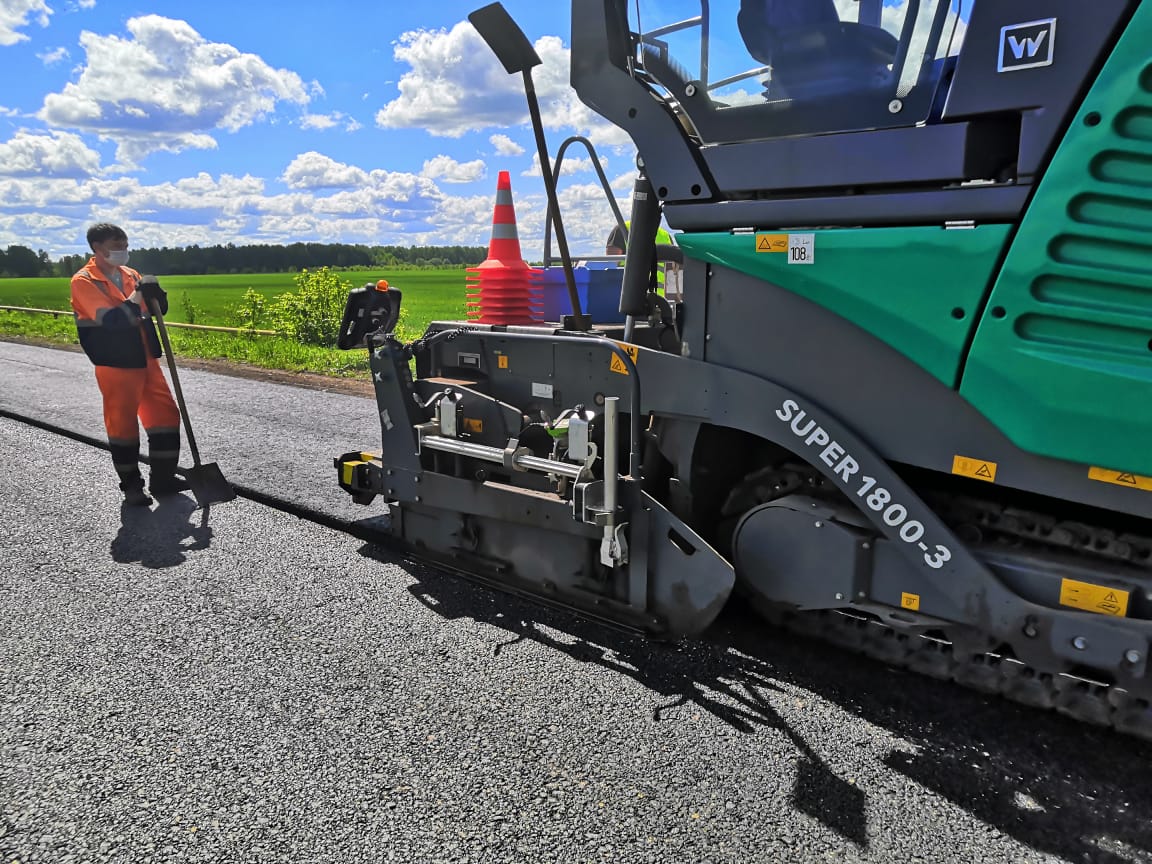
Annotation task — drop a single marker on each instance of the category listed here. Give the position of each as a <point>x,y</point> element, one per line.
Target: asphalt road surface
<point>244,685</point>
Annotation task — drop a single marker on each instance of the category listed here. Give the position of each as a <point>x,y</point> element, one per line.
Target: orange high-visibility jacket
<point>108,325</point>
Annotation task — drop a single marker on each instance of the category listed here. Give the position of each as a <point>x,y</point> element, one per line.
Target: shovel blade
<point>208,485</point>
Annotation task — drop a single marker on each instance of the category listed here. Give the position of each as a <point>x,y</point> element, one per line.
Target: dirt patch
<point>309,380</point>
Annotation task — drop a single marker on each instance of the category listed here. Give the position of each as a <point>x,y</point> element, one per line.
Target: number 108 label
<point>801,248</point>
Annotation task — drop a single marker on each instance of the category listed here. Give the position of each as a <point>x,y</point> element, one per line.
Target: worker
<point>117,334</point>
<point>617,243</point>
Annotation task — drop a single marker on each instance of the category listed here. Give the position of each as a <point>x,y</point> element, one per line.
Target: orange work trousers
<point>133,397</point>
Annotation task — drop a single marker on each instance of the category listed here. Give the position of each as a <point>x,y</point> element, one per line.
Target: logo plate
<point>1027,46</point>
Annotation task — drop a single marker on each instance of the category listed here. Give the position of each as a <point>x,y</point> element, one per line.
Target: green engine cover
<point>1062,359</point>
<point>916,288</point>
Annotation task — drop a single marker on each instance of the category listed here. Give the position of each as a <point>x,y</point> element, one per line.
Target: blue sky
<point>329,121</point>
<point>383,122</point>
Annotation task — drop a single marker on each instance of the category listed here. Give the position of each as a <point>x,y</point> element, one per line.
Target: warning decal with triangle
<point>978,469</point>
<point>1093,598</point>
<point>1120,478</point>
<point>771,242</point>
<point>617,365</point>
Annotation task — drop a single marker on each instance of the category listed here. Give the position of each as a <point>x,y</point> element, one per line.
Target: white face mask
<point>117,257</point>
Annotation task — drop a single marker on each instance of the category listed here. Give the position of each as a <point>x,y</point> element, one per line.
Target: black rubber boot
<point>135,495</point>
<point>126,461</point>
<point>163,452</point>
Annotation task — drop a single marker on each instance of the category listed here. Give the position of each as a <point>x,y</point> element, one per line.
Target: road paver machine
<point>902,401</point>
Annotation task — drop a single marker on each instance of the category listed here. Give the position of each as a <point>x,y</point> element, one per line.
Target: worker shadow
<point>160,536</point>
<point>689,676</point>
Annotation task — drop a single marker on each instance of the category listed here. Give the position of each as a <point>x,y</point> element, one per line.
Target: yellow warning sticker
<point>473,425</point>
<point>1093,598</point>
<point>1120,478</point>
<point>910,601</point>
<point>617,365</point>
<point>771,242</point>
<point>502,361</point>
<point>978,469</point>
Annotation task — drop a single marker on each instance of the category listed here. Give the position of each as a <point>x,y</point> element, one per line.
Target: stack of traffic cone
<point>503,288</point>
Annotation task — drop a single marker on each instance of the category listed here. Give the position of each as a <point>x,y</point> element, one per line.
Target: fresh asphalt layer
<point>241,685</point>
<point>273,439</point>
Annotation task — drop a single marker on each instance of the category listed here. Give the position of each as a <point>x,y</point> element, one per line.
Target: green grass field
<point>429,295</point>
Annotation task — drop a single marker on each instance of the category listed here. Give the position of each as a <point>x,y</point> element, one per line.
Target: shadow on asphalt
<point>1054,784</point>
<point>159,537</point>
<point>697,674</point>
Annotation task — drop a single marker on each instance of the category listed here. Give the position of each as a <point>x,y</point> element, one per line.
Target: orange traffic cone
<point>502,289</point>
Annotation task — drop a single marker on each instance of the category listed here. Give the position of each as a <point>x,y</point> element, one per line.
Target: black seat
<point>813,53</point>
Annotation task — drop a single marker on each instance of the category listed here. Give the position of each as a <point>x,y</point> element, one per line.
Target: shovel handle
<point>154,308</point>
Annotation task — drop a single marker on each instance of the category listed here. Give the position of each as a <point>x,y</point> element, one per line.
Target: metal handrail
<point>604,184</point>
<point>56,313</point>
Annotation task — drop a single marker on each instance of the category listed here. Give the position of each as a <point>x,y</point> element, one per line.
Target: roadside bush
<point>311,315</point>
<point>251,312</point>
<point>191,310</point>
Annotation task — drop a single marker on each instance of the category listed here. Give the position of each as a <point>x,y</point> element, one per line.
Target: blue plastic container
<point>597,284</point>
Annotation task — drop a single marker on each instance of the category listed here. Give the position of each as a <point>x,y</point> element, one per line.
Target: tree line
<point>20,261</point>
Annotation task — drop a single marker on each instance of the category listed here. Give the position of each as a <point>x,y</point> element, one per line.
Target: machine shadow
<point>159,538</point>
<point>1049,782</point>
<point>694,674</point>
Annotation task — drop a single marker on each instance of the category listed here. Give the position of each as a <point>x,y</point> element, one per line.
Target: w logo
<point>1026,46</point>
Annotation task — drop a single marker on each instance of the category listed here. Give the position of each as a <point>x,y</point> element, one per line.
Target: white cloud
<point>14,14</point>
<point>571,165</point>
<point>166,88</point>
<point>324,200</point>
<point>319,121</point>
<point>51,58</point>
<point>455,85</point>
<point>451,69</point>
<point>57,154</point>
<point>8,112</point>
<point>360,193</point>
<point>623,184</point>
<point>314,170</point>
<point>450,171</point>
<point>505,146</point>
<point>329,121</point>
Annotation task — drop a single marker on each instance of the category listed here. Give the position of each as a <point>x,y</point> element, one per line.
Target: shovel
<point>206,482</point>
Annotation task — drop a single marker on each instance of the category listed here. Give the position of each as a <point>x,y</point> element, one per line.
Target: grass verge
<point>429,295</point>
<point>265,352</point>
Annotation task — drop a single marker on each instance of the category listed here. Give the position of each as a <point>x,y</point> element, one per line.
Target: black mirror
<point>505,38</point>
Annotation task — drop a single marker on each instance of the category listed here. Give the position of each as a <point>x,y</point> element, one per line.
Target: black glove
<point>150,289</point>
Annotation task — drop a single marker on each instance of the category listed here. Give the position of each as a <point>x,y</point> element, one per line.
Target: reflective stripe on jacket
<point>108,325</point>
